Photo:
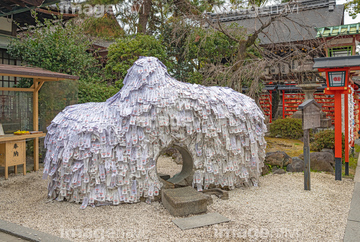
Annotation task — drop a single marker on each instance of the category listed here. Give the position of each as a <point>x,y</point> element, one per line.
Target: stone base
<point>325,123</point>
<point>183,201</point>
<point>297,114</point>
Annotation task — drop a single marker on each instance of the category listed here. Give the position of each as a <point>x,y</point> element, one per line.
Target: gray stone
<point>331,151</point>
<point>200,221</point>
<point>223,195</point>
<point>297,114</point>
<point>265,170</point>
<point>325,123</point>
<point>183,201</point>
<point>278,158</point>
<point>297,165</point>
<point>279,171</point>
<point>209,199</point>
<point>321,161</point>
<point>27,233</point>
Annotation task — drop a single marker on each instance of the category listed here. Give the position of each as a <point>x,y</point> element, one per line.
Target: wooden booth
<point>12,147</point>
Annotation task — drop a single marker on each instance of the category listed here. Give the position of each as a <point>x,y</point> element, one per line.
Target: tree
<point>245,65</point>
<point>133,14</point>
<point>62,48</point>
<point>126,51</point>
<point>353,7</point>
<point>148,16</point>
<point>52,46</point>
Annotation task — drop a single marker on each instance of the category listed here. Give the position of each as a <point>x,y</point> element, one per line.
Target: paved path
<point>352,231</point>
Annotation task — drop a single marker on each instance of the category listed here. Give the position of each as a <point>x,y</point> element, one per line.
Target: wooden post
<point>338,136</point>
<point>310,119</point>
<point>346,114</point>
<point>6,171</point>
<point>283,103</point>
<point>306,160</point>
<point>270,111</point>
<point>36,123</point>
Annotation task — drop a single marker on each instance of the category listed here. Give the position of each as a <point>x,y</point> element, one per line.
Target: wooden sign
<point>310,119</point>
<point>310,114</point>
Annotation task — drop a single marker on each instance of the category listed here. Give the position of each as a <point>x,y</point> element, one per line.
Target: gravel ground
<point>278,210</point>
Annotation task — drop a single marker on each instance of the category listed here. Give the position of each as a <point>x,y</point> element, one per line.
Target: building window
<point>5,58</point>
<point>340,51</point>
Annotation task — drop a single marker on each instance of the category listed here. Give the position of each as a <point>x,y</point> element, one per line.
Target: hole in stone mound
<point>175,165</point>
<point>167,167</point>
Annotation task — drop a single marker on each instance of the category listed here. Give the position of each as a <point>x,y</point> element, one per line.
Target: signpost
<point>310,120</point>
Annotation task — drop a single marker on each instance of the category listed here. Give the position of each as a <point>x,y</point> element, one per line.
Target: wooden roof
<point>33,72</point>
<point>10,7</point>
<point>19,11</point>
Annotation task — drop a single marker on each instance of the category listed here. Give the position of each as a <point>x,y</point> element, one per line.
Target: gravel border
<point>278,210</point>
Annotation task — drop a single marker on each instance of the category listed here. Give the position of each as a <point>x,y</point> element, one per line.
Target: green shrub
<point>290,128</point>
<point>325,139</point>
<point>52,46</point>
<point>95,91</point>
<point>125,51</point>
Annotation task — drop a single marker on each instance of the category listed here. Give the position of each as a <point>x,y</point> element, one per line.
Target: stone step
<point>184,201</point>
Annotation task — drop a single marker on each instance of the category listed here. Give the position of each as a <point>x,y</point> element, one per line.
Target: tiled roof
<point>298,25</point>
<point>339,61</point>
<point>348,29</point>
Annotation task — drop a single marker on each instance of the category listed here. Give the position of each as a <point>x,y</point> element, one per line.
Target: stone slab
<point>10,238</point>
<point>200,221</point>
<point>27,233</point>
<point>352,231</point>
<point>183,201</point>
<point>357,172</point>
<point>354,213</point>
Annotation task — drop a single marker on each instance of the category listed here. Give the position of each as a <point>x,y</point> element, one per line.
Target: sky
<point>347,18</point>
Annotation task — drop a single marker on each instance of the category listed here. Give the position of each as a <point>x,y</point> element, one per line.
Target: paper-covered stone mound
<point>106,152</point>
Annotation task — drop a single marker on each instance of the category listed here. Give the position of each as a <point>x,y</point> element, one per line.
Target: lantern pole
<point>346,119</point>
<point>338,136</point>
<point>337,89</point>
<point>337,71</point>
